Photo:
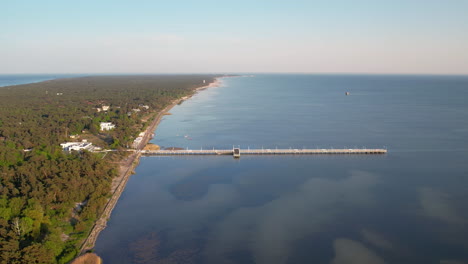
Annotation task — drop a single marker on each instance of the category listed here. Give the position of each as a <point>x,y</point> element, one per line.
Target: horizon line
<point>226,73</point>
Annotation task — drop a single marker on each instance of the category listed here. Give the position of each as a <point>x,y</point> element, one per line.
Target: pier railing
<point>261,152</point>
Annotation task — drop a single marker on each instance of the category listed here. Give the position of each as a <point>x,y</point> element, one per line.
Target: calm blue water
<point>16,79</point>
<point>409,206</point>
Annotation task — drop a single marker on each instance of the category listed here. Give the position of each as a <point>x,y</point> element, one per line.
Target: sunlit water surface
<point>408,206</point>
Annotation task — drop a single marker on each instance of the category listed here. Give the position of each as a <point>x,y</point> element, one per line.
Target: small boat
<point>347,93</point>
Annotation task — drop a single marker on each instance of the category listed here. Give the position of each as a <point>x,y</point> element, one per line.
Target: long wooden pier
<point>238,152</point>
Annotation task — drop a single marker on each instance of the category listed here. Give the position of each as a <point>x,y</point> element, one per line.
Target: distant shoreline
<point>7,80</point>
<point>51,77</point>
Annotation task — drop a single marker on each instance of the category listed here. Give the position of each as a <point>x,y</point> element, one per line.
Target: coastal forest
<point>49,198</point>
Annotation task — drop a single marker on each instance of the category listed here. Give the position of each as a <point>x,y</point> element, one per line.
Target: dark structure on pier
<point>236,152</point>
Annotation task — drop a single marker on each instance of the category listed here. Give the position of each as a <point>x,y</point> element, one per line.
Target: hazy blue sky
<point>344,36</point>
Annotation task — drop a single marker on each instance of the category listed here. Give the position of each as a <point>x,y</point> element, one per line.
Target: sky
<point>207,36</point>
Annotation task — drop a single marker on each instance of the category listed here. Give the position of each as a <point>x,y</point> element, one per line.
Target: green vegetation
<point>50,199</point>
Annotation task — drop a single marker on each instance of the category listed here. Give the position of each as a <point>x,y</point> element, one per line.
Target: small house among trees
<point>78,146</point>
<point>107,126</point>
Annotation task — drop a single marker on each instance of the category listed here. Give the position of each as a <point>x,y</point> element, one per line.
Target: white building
<point>105,107</point>
<point>107,126</point>
<point>78,146</point>
<point>137,142</point>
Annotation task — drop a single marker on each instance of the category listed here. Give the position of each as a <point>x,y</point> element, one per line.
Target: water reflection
<point>270,230</point>
<point>376,239</point>
<point>260,210</point>
<point>436,204</point>
<point>348,251</point>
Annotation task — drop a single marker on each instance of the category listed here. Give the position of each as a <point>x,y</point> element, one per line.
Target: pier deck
<point>262,152</point>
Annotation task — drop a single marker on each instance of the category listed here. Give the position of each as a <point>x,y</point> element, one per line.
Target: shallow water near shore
<point>408,206</point>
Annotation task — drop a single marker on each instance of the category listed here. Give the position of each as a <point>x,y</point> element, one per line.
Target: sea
<point>407,206</point>
<point>16,79</point>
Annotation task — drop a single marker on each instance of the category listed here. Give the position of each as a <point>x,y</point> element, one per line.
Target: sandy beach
<point>126,169</point>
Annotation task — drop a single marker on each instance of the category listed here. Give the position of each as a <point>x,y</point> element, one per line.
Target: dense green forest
<point>49,199</point>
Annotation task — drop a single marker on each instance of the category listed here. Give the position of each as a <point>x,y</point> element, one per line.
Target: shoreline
<point>127,166</point>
